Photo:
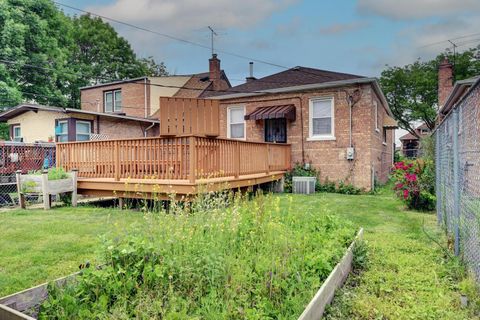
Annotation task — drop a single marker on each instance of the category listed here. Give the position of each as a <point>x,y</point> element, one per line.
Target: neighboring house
<point>411,143</point>
<point>116,110</point>
<point>37,123</point>
<point>310,109</point>
<point>140,97</point>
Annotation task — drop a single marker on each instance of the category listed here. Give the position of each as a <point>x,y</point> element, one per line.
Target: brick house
<point>140,97</point>
<point>411,143</point>
<point>311,110</point>
<point>115,110</point>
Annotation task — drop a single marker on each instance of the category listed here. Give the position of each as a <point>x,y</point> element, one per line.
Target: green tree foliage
<point>36,33</point>
<point>412,90</point>
<point>46,56</point>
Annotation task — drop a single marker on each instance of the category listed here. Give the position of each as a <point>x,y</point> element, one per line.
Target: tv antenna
<point>212,35</point>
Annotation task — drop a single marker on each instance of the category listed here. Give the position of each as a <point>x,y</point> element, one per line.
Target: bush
<point>414,183</point>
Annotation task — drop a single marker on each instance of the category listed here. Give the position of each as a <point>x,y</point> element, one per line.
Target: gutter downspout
<point>148,128</point>
<point>145,96</point>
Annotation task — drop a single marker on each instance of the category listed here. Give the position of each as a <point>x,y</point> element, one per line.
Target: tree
<point>412,90</point>
<point>100,55</point>
<point>33,33</point>
<point>46,56</point>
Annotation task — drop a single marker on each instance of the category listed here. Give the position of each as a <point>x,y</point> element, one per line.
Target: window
<point>384,136</point>
<point>83,130</point>
<point>321,124</point>
<point>236,122</point>
<point>113,101</point>
<point>375,106</point>
<point>62,131</point>
<point>17,133</point>
<point>276,130</point>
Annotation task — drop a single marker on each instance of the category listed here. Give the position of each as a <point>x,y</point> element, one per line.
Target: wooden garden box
<point>39,184</point>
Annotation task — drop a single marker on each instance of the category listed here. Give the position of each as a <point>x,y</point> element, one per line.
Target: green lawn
<point>38,246</point>
<point>408,275</point>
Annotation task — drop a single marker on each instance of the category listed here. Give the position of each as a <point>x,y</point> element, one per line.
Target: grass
<point>38,246</point>
<point>408,275</point>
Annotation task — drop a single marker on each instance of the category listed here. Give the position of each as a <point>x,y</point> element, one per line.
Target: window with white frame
<point>375,108</point>
<point>83,130</point>
<point>321,122</point>
<point>236,122</point>
<point>113,101</point>
<point>16,133</point>
<point>62,131</point>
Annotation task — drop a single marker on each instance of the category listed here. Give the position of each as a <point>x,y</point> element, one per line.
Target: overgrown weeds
<point>222,257</point>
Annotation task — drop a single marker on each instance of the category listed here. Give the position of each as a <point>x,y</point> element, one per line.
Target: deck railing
<point>172,158</point>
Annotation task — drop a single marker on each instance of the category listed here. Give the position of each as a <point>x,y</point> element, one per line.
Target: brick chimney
<point>445,81</point>
<point>215,72</point>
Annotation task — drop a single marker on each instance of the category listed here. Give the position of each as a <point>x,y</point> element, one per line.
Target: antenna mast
<point>212,34</point>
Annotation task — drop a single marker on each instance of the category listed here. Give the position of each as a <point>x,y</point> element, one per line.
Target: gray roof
<point>18,110</point>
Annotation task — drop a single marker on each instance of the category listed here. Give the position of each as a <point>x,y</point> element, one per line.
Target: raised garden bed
<point>46,185</point>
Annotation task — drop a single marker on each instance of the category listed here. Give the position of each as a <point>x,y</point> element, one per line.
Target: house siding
<point>329,157</point>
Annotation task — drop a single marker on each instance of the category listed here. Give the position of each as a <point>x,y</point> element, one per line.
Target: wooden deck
<point>157,167</point>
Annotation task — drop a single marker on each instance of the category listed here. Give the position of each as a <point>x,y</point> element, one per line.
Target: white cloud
<point>414,9</point>
<point>183,16</point>
<point>339,28</point>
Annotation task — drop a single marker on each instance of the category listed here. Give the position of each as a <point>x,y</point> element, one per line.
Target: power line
<point>448,40</point>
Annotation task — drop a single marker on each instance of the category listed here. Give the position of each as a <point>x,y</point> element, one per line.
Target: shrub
<point>414,182</point>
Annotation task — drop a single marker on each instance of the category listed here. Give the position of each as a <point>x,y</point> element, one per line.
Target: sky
<point>353,36</point>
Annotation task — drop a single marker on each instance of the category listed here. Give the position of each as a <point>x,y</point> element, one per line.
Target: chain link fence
<point>457,141</point>
<point>25,157</point>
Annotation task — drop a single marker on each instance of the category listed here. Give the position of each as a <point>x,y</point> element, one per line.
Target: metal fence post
<point>456,183</point>
<point>437,176</point>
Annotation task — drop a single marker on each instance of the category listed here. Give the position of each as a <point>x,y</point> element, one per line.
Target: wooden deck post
<point>21,196</point>
<point>74,192</point>
<point>236,158</point>
<point>117,161</point>
<point>46,194</point>
<point>193,159</point>
<point>267,159</point>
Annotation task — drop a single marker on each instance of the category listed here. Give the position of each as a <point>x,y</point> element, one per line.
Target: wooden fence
<point>172,158</point>
<point>184,116</point>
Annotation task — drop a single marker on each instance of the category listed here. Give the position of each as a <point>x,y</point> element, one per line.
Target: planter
<point>335,280</point>
<point>29,185</point>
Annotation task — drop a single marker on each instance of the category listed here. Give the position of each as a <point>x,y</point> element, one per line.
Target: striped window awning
<point>286,111</point>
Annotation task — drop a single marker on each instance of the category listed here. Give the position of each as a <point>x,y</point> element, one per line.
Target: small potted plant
<point>50,138</point>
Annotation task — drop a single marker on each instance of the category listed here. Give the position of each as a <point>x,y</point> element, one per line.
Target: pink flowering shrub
<point>413,183</point>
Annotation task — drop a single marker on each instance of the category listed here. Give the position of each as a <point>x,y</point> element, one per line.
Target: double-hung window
<point>83,130</point>
<point>113,101</point>
<point>236,122</point>
<point>321,122</point>
<point>16,133</point>
<point>62,131</point>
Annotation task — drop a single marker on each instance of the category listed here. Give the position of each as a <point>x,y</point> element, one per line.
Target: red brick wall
<point>123,129</point>
<point>327,156</point>
<point>133,98</point>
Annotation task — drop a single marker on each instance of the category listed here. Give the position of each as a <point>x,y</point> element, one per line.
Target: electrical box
<point>350,153</point>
